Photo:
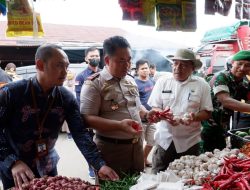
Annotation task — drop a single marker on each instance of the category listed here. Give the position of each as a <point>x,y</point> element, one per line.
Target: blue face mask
<point>94,62</point>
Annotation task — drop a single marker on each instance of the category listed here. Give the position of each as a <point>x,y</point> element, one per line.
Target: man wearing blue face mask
<point>92,58</point>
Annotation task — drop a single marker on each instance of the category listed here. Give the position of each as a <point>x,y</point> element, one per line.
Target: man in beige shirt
<point>110,104</point>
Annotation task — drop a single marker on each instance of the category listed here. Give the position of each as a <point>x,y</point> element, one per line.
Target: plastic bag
<point>132,9</point>
<point>238,10</point>
<point>168,16</point>
<point>220,6</point>
<point>22,20</point>
<point>148,13</point>
<point>189,15</point>
<point>246,11</point>
<point>223,6</point>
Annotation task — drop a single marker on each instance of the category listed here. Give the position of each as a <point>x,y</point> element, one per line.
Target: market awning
<point>223,33</point>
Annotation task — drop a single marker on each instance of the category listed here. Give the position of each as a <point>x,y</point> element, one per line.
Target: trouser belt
<point>117,141</point>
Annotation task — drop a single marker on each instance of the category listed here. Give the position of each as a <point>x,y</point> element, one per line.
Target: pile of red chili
<point>234,175</point>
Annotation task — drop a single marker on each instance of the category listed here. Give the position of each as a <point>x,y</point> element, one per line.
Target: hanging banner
<point>22,20</point>
<point>218,6</point>
<point>148,13</point>
<point>189,15</point>
<point>168,17</point>
<point>132,9</point>
<point>2,7</point>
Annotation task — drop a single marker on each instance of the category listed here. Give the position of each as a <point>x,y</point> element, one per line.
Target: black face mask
<point>94,62</point>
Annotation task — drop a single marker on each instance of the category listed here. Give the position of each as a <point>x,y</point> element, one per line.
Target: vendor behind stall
<point>31,115</point>
<point>228,89</point>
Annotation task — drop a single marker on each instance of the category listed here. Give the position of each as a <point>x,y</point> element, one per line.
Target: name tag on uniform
<point>167,91</point>
<point>114,105</point>
<point>41,148</point>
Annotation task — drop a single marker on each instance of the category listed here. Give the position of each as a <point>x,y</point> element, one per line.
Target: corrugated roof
<point>69,34</point>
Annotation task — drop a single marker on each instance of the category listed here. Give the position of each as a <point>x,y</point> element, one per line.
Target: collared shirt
<point>19,130</point>
<point>111,98</point>
<point>80,78</point>
<point>181,97</point>
<point>224,82</point>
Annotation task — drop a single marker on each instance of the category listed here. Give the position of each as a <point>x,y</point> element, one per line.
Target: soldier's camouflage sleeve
<point>81,136</point>
<point>221,79</point>
<point>7,154</point>
<point>221,83</point>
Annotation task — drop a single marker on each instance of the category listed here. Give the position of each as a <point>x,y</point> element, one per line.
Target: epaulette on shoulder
<point>94,76</point>
<point>130,75</point>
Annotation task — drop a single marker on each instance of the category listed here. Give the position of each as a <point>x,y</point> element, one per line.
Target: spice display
<point>196,169</point>
<point>58,182</point>
<point>233,175</point>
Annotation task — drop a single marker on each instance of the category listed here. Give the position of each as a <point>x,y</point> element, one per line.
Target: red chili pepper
<point>217,184</point>
<point>242,161</point>
<point>245,183</point>
<point>207,186</point>
<point>136,126</point>
<point>240,185</point>
<point>230,180</point>
<point>220,177</point>
<point>244,164</point>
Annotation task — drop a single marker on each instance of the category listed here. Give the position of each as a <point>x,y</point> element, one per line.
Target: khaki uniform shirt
<point>111,98</point>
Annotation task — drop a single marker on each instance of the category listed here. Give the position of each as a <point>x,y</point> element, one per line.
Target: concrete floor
<point>72,163</point>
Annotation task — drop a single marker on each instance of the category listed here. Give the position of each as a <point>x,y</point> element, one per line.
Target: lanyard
<point>40,121</point>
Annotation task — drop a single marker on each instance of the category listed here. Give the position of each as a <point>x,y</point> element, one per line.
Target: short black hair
<point>45,51</point>
<point>141,62</point>
<point>152,66</point>
<point>111,44</point>
<point>9,66</point>
<point>90,49</point>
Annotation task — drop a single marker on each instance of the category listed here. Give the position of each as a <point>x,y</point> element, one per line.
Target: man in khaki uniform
<point>110,104</point>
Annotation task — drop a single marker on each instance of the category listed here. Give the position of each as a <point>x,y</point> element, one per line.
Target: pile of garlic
<point>202,166</point>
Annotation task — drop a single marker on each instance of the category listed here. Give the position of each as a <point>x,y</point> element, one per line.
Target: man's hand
<point>188,118</point>
<point>21,173</point>
<point>155,116</point>
<point>128,125</point>
<point>106,173</point>
<point>152,116</point>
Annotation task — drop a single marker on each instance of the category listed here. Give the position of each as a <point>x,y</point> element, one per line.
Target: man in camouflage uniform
<point>228,89</point>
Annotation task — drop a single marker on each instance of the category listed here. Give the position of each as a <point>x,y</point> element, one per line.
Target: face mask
<point>94,62</point>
